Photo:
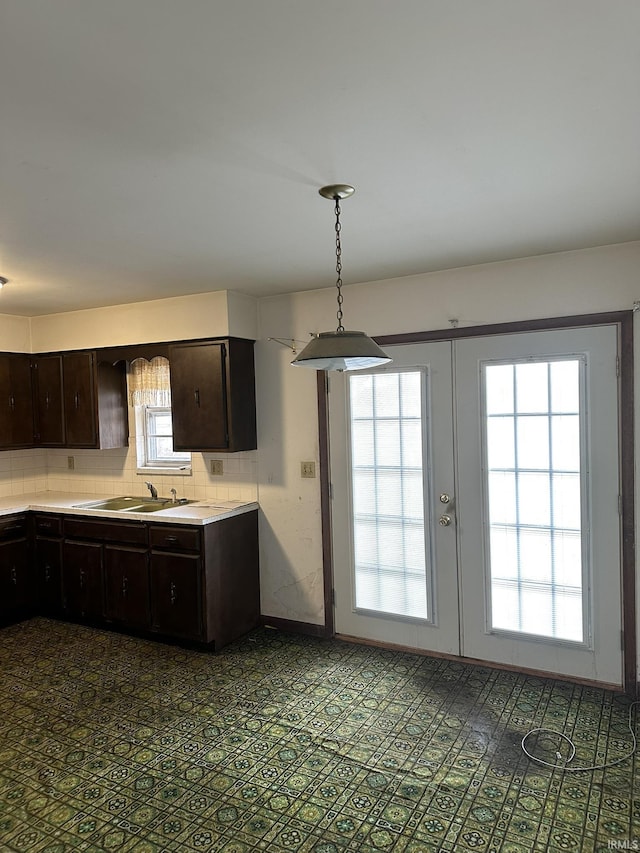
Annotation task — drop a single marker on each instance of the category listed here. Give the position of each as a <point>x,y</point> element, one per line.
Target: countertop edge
<point>63,504</point>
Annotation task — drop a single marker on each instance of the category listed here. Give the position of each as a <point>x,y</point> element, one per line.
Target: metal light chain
<point>339,266</point>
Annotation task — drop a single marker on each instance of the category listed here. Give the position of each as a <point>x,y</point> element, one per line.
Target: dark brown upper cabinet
<point>213,397</point>
<point>47,398</point>
<point>16,405</point>
<point>95,401</point>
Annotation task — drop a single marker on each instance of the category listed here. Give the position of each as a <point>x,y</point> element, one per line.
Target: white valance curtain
<point>149,382</point>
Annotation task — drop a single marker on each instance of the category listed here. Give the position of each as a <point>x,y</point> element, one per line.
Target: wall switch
<point>71,462</point>
<point>308,469</point>
<point>216,467</point>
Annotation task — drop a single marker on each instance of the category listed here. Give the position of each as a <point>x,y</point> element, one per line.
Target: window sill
<point>170,470</point>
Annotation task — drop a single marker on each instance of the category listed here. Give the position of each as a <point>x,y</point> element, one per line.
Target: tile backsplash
<point>114,472</point>
<point>22,472</point>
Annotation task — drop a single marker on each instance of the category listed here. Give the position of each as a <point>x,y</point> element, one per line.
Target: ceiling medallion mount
<point>334,191</point>
<point>340,350</point>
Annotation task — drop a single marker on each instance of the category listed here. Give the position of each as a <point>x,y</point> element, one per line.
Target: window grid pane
<point>534,497</point>
<point>387,450</point>
<point>159,439</point>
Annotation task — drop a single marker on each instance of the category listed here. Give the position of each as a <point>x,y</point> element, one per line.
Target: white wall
<point>581,282</point>
<point>203,315</point>
<point>589,281</point>
<point>15,333</point>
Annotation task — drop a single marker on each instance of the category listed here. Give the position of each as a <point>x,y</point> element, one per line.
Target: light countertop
<point>66,503</point>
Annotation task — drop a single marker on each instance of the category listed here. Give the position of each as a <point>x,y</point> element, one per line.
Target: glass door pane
<point>533,446</point>
<point>387,482</point>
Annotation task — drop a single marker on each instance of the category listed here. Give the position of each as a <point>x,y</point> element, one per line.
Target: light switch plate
<point>216,467</point>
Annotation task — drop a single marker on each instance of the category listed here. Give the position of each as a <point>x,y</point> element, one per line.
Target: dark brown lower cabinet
<point>15,580</point>
<point>176,594</point>
<point>48,576</point>
<point>15,591</point>
<point>82,579</point>
<point>47,563</point>
<point>126,586</point>
<point>193,582</point>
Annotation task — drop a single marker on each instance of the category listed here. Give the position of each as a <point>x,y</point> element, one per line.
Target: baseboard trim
<point>293,627</point>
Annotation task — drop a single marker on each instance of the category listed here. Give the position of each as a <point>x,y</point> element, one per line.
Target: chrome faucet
<point>153,490</point>
<point>174,496</point>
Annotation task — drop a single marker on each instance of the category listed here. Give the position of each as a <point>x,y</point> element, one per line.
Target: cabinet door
<point>6,412</point>
<point>126,572</point>
<point>82,579</point>
<point>199,396</point>
<point>14,577</point>
<point>79,399</point>
<point>48,580</point>
<point>47,394</point>
<point>16,404</point>
<point>175,594</point>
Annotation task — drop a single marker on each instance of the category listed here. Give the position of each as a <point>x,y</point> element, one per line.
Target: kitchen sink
<point>132,504</point>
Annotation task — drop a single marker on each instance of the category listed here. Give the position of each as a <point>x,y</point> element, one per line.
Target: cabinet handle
<point>12,402</point>
<point>81,578</point>
<point>47,574</point>
<point>196,395</point>
<point>46,400</point>
<point>11,528</point>
<point>14,576</point>
<point>76,399</point>
<point>45,525</point>
<point>170,538</point>
<point>124,587</point>
<point>172,593</point>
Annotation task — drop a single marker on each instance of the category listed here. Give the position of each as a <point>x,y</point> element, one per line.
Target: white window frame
<point>146,462</point>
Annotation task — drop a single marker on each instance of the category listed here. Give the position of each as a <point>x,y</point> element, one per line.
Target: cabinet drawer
<point>48,525</point>
<point>174,538</point>
<point>133,533</point>
<point>13,527</point>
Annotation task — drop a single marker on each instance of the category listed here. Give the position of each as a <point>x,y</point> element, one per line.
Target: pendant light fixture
<point>340,350</point>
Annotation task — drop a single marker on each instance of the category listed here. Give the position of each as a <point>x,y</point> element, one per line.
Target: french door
<point>475,505</point>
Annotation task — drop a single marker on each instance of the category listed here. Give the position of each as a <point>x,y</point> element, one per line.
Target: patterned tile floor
<point>286,743</point>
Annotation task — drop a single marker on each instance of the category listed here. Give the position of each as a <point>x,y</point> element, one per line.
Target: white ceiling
<point>152,148</point>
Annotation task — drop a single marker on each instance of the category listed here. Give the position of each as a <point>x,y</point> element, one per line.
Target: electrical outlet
<point>308,469</point>
<point>71,462</point>
<point>216,467</point>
